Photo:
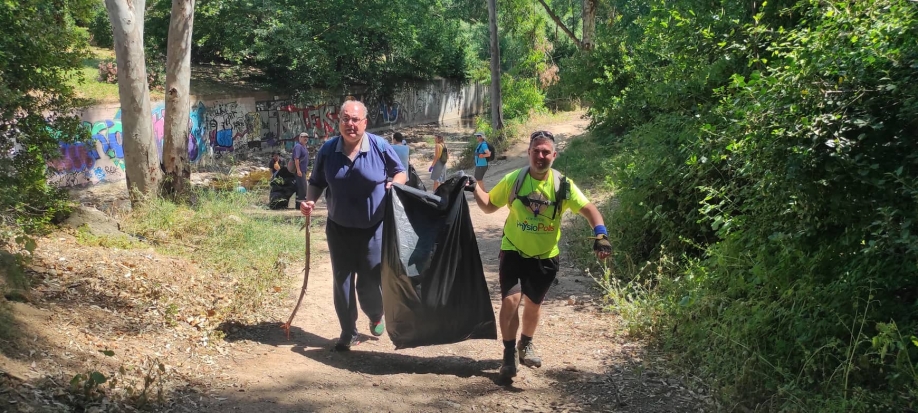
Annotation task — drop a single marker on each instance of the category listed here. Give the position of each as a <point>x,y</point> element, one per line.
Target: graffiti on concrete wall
<point>197,146</point>
<point>220,127</point>
<point>282,120</point>
<point>100,160</point>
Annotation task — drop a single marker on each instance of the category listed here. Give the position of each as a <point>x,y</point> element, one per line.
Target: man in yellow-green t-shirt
<point>529,247</point>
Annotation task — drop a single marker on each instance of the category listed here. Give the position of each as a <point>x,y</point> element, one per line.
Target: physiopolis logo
<point>525,226</point>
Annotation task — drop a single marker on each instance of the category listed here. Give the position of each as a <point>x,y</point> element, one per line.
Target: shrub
<point>108,71</point>
<point>773,150</point>
<point>100,29</point>
<point>520,96</point>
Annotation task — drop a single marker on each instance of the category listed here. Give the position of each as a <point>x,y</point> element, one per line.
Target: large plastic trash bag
<point>414,180</point>
<point>433,285</point>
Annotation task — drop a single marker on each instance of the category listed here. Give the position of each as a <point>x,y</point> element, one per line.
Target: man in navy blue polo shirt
<point>355,167</point>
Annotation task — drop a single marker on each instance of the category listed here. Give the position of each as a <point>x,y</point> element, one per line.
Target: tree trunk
<point>589,24</point>
<point>141,157</point>
<point>177,180</point>
<point>497,113</point>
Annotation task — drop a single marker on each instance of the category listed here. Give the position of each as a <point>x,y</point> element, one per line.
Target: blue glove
<point>430,169</point>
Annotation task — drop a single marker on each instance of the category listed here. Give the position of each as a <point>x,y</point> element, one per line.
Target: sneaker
<point>377,328</point>
<point>509,366</point>
<point>528,356</point>
<point>345,345</point>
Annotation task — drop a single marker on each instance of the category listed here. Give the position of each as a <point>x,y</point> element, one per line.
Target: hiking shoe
<point>378,327</point>
<point>528,356</point>
<point>509,366</point>
<point>345,344</point>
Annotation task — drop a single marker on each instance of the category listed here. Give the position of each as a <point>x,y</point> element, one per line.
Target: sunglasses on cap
<point>541,134</point>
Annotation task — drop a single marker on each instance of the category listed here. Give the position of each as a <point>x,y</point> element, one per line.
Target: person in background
<point>356,168</point>
<point>283,181</point>
<point>275,163</point>
<point>401,148</point>
<point>301,163</point>
<point>529,245</point>
<point>438,164</point>
<point>482,153</point>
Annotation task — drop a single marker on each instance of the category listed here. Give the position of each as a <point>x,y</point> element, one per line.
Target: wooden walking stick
<point>286,326</point>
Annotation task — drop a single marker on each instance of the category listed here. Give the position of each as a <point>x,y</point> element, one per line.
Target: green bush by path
<point>765,164</point>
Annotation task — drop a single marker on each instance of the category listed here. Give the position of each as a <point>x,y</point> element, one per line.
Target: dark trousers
<point>356,257</point>
<point>300,189</point>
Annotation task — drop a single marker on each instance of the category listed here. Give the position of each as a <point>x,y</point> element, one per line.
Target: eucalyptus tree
<point>178,84</point>
<point>141,157</point>
<point>497,118</point>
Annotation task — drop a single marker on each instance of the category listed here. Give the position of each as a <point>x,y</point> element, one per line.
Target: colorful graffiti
<point>227,126</point>
<point>197,146</point>
<point>81,164</point>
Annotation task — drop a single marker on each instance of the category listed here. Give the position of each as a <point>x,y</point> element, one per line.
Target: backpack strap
<point>562,191</point>
<point>561,185</point>
<point>518,184</point>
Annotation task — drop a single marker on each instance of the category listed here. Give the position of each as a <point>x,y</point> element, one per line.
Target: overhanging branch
<point>561,24</point>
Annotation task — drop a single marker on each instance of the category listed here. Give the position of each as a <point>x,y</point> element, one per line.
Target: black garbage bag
<point>433,285</point>
<point>414,180</point>
<point>283,186</point>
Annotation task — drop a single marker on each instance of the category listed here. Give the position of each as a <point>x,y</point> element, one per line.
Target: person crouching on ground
<point>438,164</point>
<point>355,167</point>
<point>529,246</point>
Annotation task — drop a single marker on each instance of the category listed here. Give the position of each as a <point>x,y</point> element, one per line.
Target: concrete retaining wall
<point>254,123</point>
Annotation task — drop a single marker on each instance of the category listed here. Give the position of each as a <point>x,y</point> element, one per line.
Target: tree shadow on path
<point>375,363</point>
<point>360,361</point>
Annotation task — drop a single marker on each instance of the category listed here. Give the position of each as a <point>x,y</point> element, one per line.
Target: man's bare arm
<point>483,199</point>
<point>592,215</point>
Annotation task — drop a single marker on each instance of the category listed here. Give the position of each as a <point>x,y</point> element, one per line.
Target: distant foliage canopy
<point>326,45</point>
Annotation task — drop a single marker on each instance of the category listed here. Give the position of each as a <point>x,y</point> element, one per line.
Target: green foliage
<point>771,148</point>
<point>520,97</point>
<point>40,48</point>
<point>328,45</point>
<point>100,29</point>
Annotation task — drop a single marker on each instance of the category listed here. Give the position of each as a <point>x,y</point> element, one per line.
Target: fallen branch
<point>286,326</point>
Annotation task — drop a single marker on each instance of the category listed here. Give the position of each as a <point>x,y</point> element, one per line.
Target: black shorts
<point>532,276</point>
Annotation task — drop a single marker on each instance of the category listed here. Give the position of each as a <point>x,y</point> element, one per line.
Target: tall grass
<point>226,233</point>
